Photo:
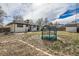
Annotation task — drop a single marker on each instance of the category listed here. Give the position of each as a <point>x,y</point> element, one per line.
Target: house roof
<point>72,25</point>
<point>21,22</point>
<point>15,23</point>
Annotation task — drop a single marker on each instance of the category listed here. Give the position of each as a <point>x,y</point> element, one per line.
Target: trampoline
<point>49,33</point>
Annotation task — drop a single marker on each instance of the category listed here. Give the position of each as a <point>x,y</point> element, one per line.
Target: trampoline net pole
<point>42,33</point>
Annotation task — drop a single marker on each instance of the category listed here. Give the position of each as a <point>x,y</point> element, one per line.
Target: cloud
<point>35,11</point>
<point>13,9</point>
<point>71,14</point>
<point>47,10</point>
<point>67,20</point>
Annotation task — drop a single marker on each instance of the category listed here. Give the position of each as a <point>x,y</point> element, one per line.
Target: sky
<point>52,11</point>
<point>69,16</point>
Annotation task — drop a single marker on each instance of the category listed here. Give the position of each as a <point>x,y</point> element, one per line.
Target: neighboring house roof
<point>72,25</point>
<point>5,27</point>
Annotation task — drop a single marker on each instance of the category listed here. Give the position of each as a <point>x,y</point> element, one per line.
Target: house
<point>22,26</point>
<point>73,27</point>
<point>62,28</point>
<point>4,29</point>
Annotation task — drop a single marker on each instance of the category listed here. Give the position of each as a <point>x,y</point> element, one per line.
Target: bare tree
<point>2,15</point>
<point>39,22</point>
<point>45,21</point>
<point>18,19</point>
<point>31,22</point>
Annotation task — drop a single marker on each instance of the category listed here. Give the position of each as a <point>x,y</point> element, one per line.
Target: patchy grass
<point>68,35</point>
<point>29,34</point>
<point>18,49</point>
<point>69,45</point>
<point>10,46</point>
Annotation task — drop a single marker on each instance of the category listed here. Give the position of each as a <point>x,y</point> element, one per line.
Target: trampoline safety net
<point>49,33</point>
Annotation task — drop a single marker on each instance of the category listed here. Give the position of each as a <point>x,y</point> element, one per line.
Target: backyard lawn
<point>30,43</point>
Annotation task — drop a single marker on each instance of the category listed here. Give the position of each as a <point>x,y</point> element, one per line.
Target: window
<point>19,25</point>
<point>27,25</point>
